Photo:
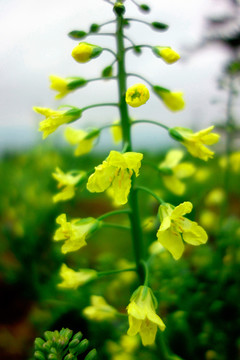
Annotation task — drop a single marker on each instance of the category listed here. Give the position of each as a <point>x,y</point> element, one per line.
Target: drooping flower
<point>74,233</point>
<point>55,118</point>
<point>65,85</point>
<point>137,95</point>
<point>173,100</point>
<point>116,172</point>
<point>172,171</point>
<point>99,310</point>
<point>142,315</point>
<point>175,228</point>
<point>67,182</point>
<point>166,53</point>
<point>195,142</point>
<point>73,279</point>
<point>84,52</point>
<point>83,139</point>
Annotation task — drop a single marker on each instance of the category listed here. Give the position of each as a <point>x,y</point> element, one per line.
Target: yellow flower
<point>55,118</point>
<point>116,172</point>
<point>65,85</point>
<point>142,315</point>
<point>67,182</point>
<point>84,52</point>
<point>209,220</point>
<point>235,161</point>
<point>84,139</point>
<point>137,95</point>
<point>195,142</point>
<point>173,100</point>
<point>74,233</point>
<point>73,279</point>
<point>175,228</point>
<point>116,131</point>
<point>215,197</point>
<point>173,172</point>
<point>99,310</point>
<point>166,53</point>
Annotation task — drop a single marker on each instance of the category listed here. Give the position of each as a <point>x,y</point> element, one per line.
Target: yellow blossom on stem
<point>137,95</point>
<point>175,228</point>
<point>75,232</point>
<point>84,52</point>
<point>173,100</point>
<point>55,118</point>
<point>73,279</point>
<point>142,315</point>
<point>67,182</point>
<point>172,172</point>
<point>166,53</point>
<point>99,310</point>
<point>116,172</point>
<point>83,139</point>
<point>65,85</point>
<point>195,142</point>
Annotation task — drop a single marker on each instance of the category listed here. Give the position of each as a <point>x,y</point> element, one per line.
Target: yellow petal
<point>102,178</point>
<point>174,184</point>
<point>184,170</point>
<point>173,157</point>
<point>172,242</point>
<point>182,209</point>
<point>121,186</point>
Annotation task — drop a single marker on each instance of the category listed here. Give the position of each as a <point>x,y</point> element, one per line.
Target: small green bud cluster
<point>62,345</point>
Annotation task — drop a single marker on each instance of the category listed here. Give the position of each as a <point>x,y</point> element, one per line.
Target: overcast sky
<point>34,44</point>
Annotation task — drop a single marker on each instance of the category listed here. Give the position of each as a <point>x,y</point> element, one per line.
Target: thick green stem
<point>127,145</point>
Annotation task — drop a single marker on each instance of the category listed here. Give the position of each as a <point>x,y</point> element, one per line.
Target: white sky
<point>34,44</point>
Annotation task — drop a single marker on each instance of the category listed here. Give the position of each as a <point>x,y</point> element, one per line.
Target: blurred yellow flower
<point>55,118</point>
<point>83,139</point>
<point>166,53</point>
<point>209,220</point>
<point>99,310</point>
<point>173,100</point>
<point>202,174</point>
<point>74,233</point>
<point>142,315</point>
<point>116,131</point>
<point>137,95</point>
<point>116,171</point>
<point>67,181</point>
<point>175,228</point>
<point>195,142</point>
<point>65,85</point>
<point>84,52</point>
<point>73,279</point>
<point>215,197</point>
<point>172,172</point>
<point>124,350</point>
<point>234,161</point>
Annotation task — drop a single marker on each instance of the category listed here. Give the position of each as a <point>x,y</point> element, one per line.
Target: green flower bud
<point>107,71</point>
<point>38,343</point>
<point>53,356</point>
<point>144,7</point>
<point>48,335</point>
<point>159,26</point>
<point>78,336</point>
<point>76,83</point>
<point>70,357</point>
<point>73,343</point>
<point>175,134</point>
<point>77,34</point>
<point>94,28</point>
<point>38,355</point>
<point>119,8</point>
<point>92,355</point>
<point>66,333</point>
<point>79,349</point>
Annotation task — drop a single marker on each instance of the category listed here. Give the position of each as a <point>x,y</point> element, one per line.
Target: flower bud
<point>92,355</point>
<point>107,71</point>
<point>119,8</point>
<point>84,52</point>
<point>166,53</point>
<point>77,34</point>
<point>159,26</point>
<point>94,28</point>
<point>137,95</point>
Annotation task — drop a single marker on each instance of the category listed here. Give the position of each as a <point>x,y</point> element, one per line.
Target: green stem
<point>141,77</point>
<point>138,20</point>
<point>143,188</point>
<point>146,272</point>
<point>100,78</point>
<point>127,145</point>
<point>97,105</point>
<point>151,122</point>
<point>112,213</point>
<point>112,52</point>
<point>110,272</point>
<point>116,226</point>
<point>108,22</point>
<point>139,46</point>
